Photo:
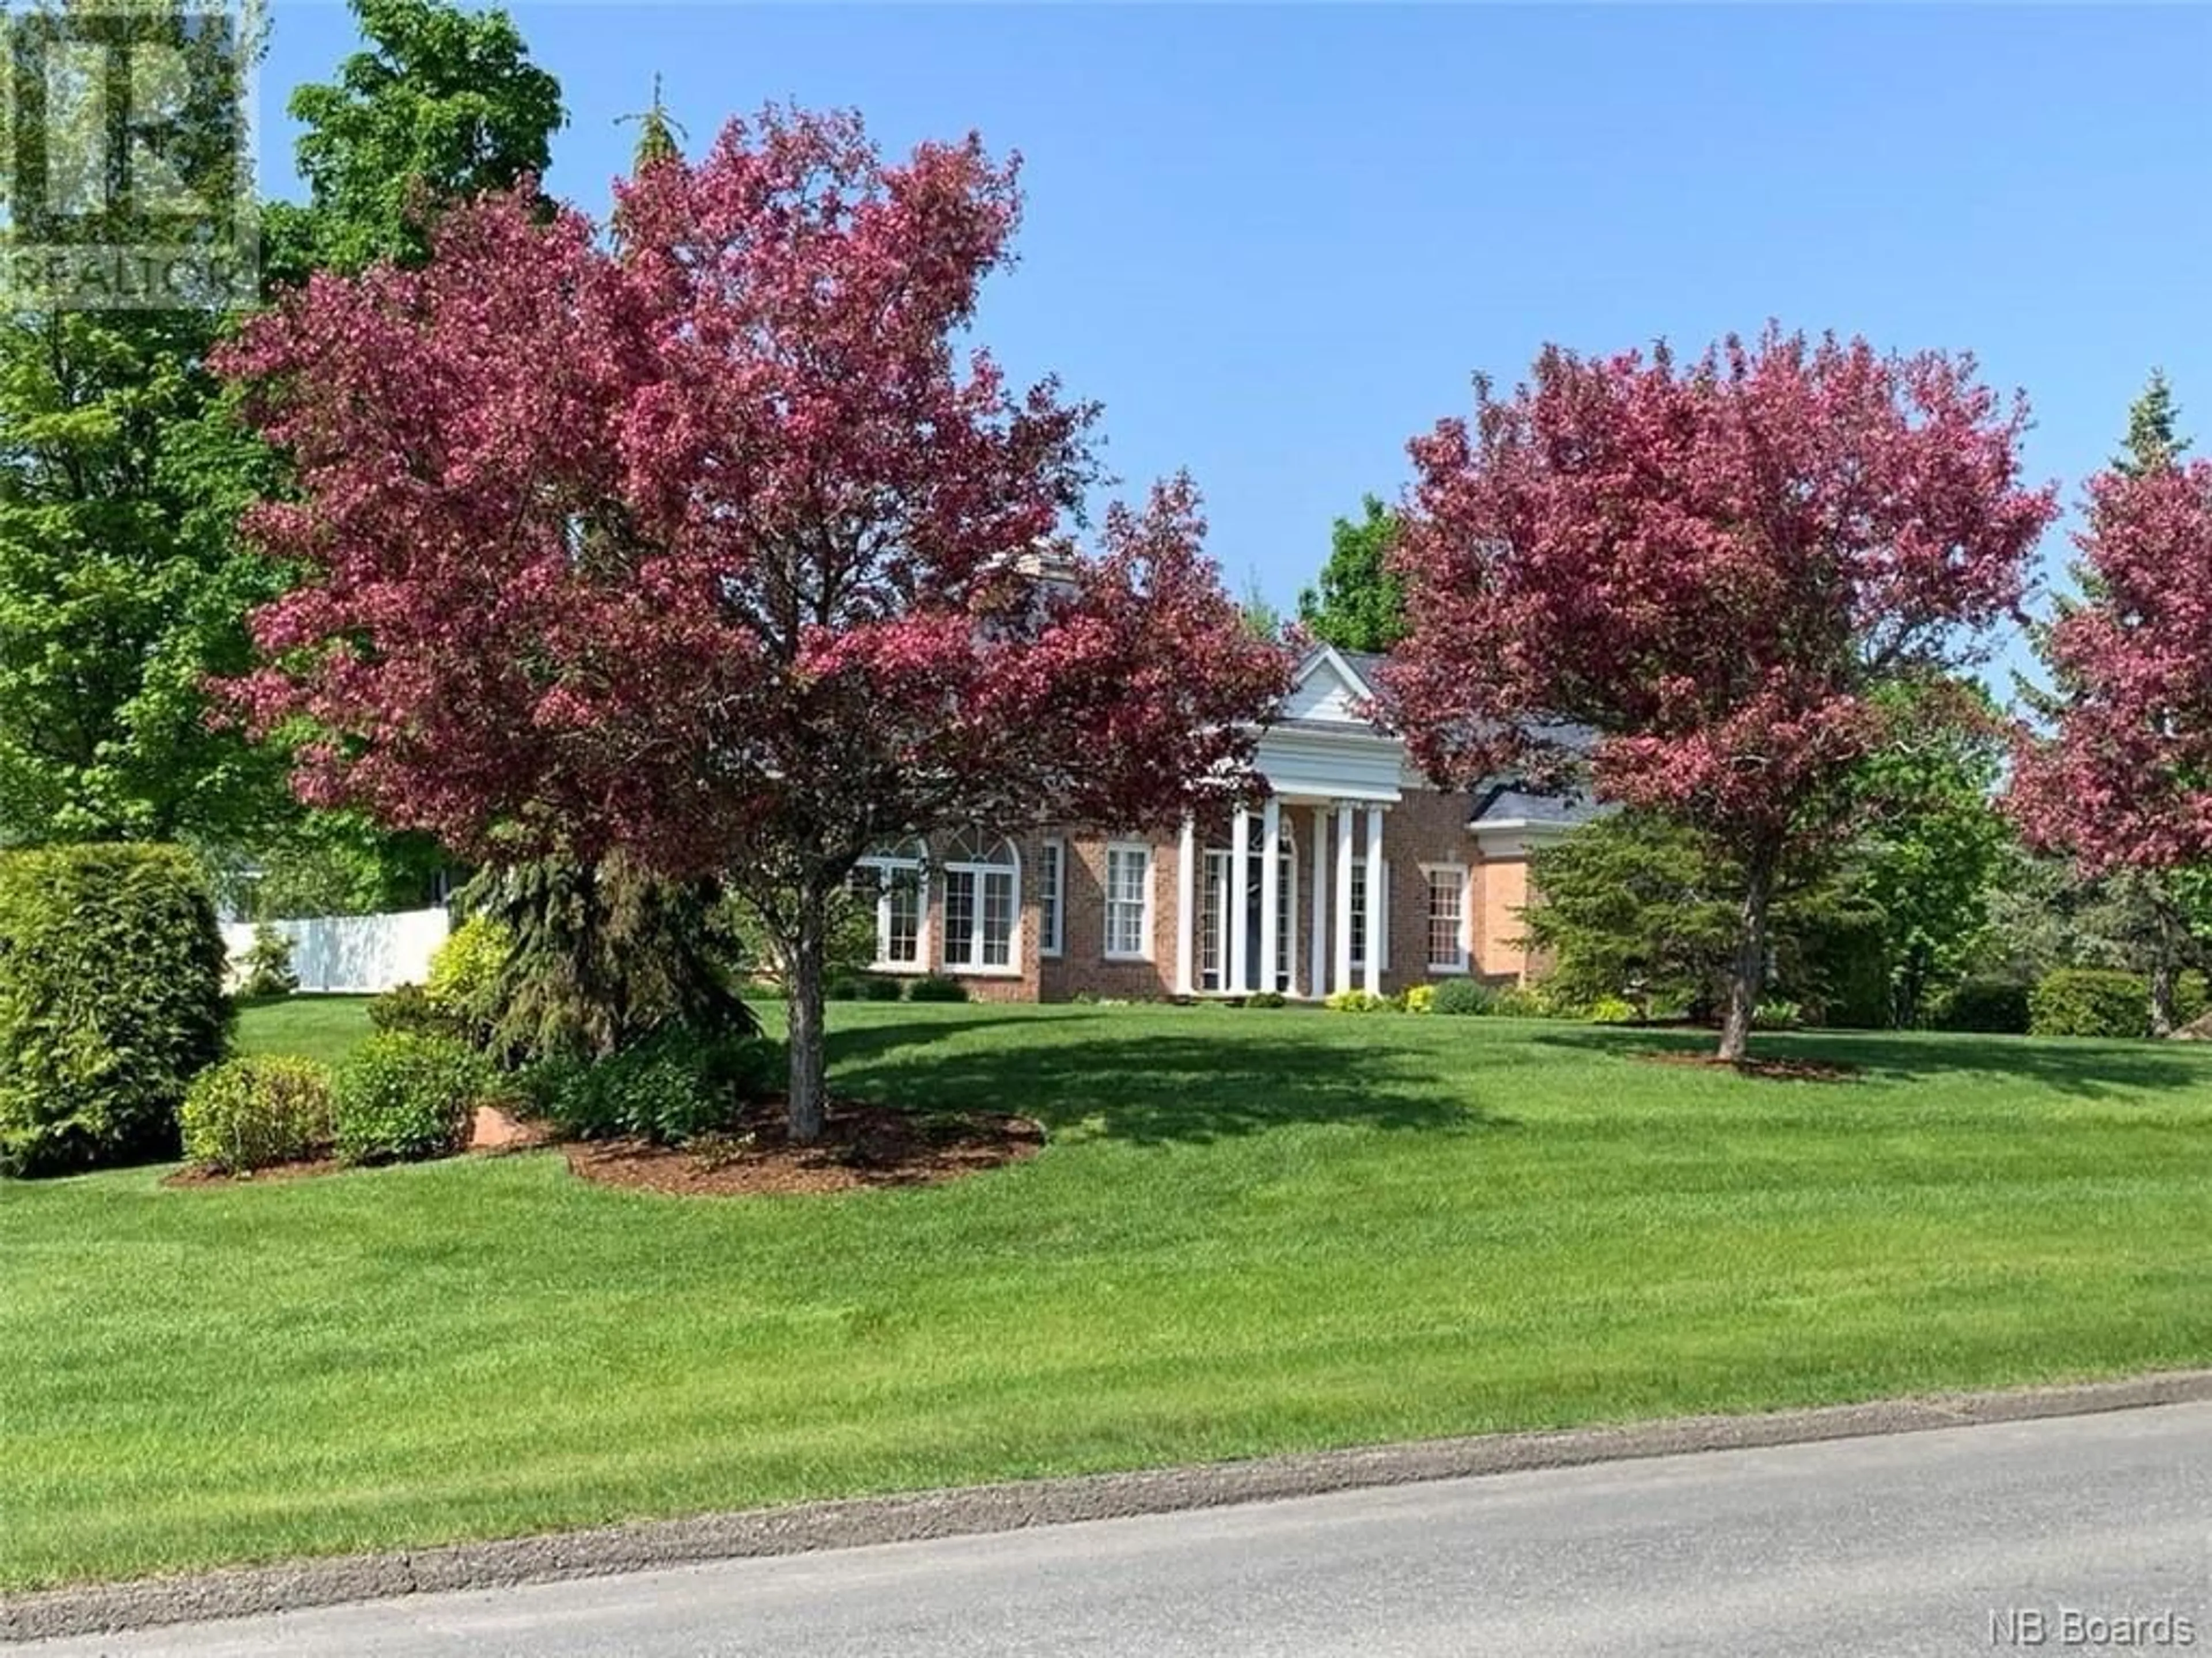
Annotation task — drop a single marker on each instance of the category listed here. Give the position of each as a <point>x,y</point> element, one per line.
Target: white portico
<point>1332,779</point>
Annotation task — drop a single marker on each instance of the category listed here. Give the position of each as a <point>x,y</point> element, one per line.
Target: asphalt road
<point>1954,1541</point>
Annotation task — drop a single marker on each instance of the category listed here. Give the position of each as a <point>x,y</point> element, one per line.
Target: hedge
<point>110,1002</point>
<point>2082,1001</point>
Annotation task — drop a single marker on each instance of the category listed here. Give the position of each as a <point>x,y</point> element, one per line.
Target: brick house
<point>1047,916</point>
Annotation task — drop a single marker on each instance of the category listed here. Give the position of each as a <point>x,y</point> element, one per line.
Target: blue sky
<point>1276,243</point>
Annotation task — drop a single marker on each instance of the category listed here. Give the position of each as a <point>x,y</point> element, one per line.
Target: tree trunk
<point>2162,976</point>
<point>1748,975</point>
<point>808,954</point>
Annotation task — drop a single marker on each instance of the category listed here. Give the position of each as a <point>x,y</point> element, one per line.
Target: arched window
<point>897,876</point>
<point>982,879</point>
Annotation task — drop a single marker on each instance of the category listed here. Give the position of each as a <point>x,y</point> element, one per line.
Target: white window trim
<point>1053,944</point>
<point>973,969</point>
<point>919,868</point>
<point>1366,902</point>
<point>1464,965</point>
<point>1142,849</point>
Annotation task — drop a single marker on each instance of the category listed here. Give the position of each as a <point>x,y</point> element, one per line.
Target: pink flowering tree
<point>1681,585</point>
<point>2123,778</point>
<point>703,541</point>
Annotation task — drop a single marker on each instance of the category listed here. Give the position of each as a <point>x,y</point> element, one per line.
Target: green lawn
<point>1253,1231</point>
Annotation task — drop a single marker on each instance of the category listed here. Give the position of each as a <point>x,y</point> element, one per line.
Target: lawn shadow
<point>1154,1089</point>
<point>2083,1070</point>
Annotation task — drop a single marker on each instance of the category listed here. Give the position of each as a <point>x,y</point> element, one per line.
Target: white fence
<point>352,954</point>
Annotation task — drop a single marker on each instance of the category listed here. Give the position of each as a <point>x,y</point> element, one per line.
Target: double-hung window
<point>1129,901</point>
<point>1052,897</point>
<point>1447,885</point>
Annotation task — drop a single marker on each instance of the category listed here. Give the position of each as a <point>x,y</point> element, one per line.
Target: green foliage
<point>932,987</point>
<point>1613,1010</point>
<point>122,586</point>
<point>1995,1006</point>
<point>1357,1001</point>
<point>111,971</point>
<point>2192,998</point>
<point>1462,998</point>
<point>864,987</point>
<point>849,946</point>
<point>1638,905</point>
<point>1778,1014</point>
<point>1267,998</point>
<point>1924,870</point>
<point>2089,1002</point>
<point>1523,1002</point>
<point>402,1097</point>
<point>671,1089</point>
<point>258,1112</point>
<point>604,955</point>
<point>443,105</point>
<point>1359,605</point>
<point>410,1008</point>
<point>268,966</point>
<point>325,863</point>
<point>466,974</point>
<point>2153,441</point>
<point>1262,620</point>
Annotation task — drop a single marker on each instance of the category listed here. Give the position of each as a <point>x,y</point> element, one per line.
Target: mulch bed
<point>1801,1071</point>
<point>192,1175</point>
<point>862,1146</point>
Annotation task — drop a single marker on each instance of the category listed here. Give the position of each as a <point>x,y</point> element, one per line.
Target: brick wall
<point>1425,827</point>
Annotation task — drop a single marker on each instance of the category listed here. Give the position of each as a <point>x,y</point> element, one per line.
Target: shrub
<point>111,972</point>
<point>1522,1002</point>
<point>402,1096</point>
<point>257,1112</point>
<point>2082,1001</point>
<point>2192,999</point>
<point>409,1007</point>
<point>934,988</point>
<point>1779,1014</point>
<point>1992,1006</point>
<point>669,1089</point>
<point>268,966</point>
<point>1421,999</point>
<point>1266,998</point>
<point>1463,997</point>
<point>463,986</point>
<point>1357,1001</point>
<point>1610,1009</point>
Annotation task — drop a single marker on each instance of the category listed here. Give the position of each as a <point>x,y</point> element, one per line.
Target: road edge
<point>252,1591</point>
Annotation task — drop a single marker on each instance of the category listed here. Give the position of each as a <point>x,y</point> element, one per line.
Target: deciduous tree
<point>709,545</point>
<point>1359,604</point>
<point>1685,583</point>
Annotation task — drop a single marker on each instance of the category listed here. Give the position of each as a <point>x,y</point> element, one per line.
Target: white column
<point>1317,945</point>
<point>1271,891</point>
<point>1240,940</point>
<point>1342,981</point>
<point>1377,902</point>
<point>1185,908</point>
